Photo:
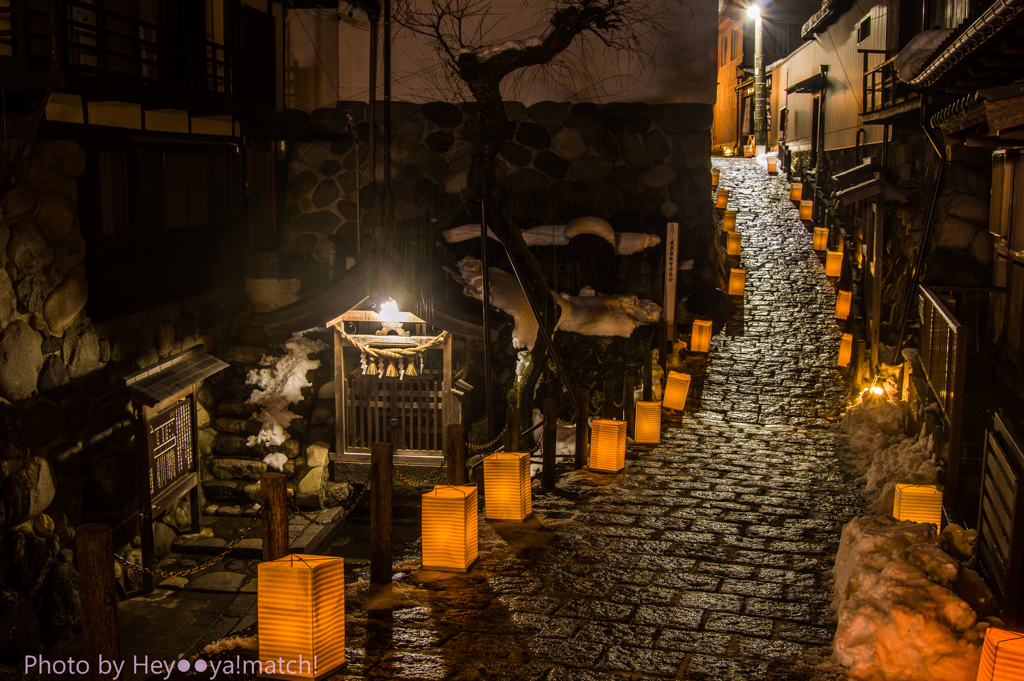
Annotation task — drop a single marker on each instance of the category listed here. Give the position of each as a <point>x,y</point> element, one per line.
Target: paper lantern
<point>920,503</point>
<point>1002,656</point>
<point>733,243</point>
<point>845,349</point>
<point>729,221</point>
<point>843,304</point>
<point>449,523</point>
<point>700,337</point>
<point>820,239</point>
<point>507,492</point>
<point>737,282</point>
<point>714,177</point>
<point>772,166</point>
<point>723,199</point>
<point>301,609</point>
<point>796,191</point>
<point>648,423</point>
<point>807,210</point>
<point>607,445</point>
<point>833,263</point>
<point>676,391</point>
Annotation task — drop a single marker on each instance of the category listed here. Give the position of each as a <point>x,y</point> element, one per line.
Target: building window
<point>864,29</point>
<point>724,51</point>
<point>735,40</point>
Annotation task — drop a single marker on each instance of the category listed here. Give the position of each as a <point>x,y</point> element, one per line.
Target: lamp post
<point>760,118</point>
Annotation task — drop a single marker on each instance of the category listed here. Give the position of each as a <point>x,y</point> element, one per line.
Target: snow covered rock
<point>625,243</point>
<point>278,385</point>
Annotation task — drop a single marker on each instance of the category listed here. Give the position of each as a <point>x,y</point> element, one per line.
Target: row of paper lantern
<point>733,239</point>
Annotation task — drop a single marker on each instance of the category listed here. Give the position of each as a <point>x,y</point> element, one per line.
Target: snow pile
<point>278,385</point>
<point>506,295</point>
<point>232,643</point>
<point>625,243</point>
<point>896,598</point>
<point>485,52</point>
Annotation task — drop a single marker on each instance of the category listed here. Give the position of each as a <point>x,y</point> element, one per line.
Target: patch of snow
<point>279,384</point>
<point>914,56</point>
<point>231,643</point>
<point>506,295</point>
<point>625,243</point>
<point>276,461</point>
<point>485,52</point>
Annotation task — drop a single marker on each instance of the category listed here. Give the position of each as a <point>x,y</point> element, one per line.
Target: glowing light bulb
<point>389,311</point>
<point>754,12</point>
<point>877,390</point>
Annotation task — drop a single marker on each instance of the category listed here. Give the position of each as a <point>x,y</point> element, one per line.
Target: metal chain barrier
<point>491,443</point>
<point>337,519</point>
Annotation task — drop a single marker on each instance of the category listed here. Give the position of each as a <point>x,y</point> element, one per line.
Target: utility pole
<point>760,108</point>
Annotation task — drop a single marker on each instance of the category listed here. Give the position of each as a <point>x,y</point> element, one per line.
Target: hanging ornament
<point>362,362</point>
<point>380,369</point>
<point>392,371</point>
<point>401,366</point>
<point>422,354</point>
<point>370,368</point>
<point>410,368</point>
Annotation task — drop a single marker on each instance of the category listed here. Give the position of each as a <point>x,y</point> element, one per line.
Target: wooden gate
<point>415,401</point>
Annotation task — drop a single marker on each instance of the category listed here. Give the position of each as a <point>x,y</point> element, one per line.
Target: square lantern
<point>845,349</point>
<point>723,199</point>
<point>820,239</point>
<point>729,221</point>
<point>807,210</point>
<point>676,390</point>
<point>714,177</point>
<point>607,445</point>
<point>733,243</point>
<point>450,532</point>
<point>843,304</point>
<point>773,166</point>
<point>301,609</point>
<point>833,263</point>
<point>920,503</point>
<point>507,491</point>
<point>648,423</point>
<point>1002,656</point>
<point>700,337</point>
<point>796,191</point>
<point>737,282</point>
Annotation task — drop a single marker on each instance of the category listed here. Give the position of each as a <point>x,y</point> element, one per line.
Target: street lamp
<point>760,118</point>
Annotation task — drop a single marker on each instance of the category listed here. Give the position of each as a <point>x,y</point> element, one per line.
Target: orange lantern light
<point>843,304</point>
<point>676,390</point>
<point>807,210</point>
<point>733,243</point>
<point>833,263</point>
<point>507,491</point>
<point>301,608</point>
<point>845,349</point>
<point>700,336</point>
<point>737,282</point>
<point>715,172</point>
<point>796,191</point>
<point>772,165</point>
<point>722,202</point>
<point>449,524</point>
<point>1002,656</point>
<point>820,239</point>
<point>919,503</point>
<point>648,423</point>
<point>607,445</point>
<point>729,221</point>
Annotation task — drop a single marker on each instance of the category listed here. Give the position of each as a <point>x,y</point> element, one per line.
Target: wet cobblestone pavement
<point>705,558</point>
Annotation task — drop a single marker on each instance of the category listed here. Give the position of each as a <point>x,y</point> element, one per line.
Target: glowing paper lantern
<point>449,524</point>
<point>607,445</point>
<point>807,210</point>
<point>729,221</point>
<point>772,166</point>
<point>733,243</point>
<point>507,492</point>
<point>700,337</point>
<point>301,608</point>
<point>845,349</point>
<point>833,263</point>
<point>723,199</point>
<point>676,390</point>
<point>843,304</point>
<point>648,423</point>
<point>796,191</point>
<point>737,282</point>
<point>920,503</point>
<point>714,177</point>
<point>1002,656</point>
<point>820,239</point>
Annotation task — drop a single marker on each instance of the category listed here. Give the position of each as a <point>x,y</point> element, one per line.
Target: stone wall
<point>635,165</point>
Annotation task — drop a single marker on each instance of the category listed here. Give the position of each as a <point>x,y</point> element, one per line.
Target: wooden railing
<point>415,402</point>
<point>882,88</point>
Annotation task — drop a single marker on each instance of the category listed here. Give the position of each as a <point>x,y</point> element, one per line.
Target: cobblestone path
<point>704,559</point>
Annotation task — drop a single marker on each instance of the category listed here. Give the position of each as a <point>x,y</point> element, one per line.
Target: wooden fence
<point>371,404</point>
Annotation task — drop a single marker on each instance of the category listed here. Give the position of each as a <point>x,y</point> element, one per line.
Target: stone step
<point>229,424</point>
<point>304,537</point>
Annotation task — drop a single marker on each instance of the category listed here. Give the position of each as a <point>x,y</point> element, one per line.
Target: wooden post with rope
<point>582,428</point>
<point>275,516</point>
<point>95,546</point>
<point>512,437</point>
<point>381,469</point>
<point>456,455</point>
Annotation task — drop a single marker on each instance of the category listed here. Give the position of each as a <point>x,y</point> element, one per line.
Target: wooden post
<point>275,516</point>
<point>95,547</point>
<point>456,454</point>
<point>550,441</point>
<point>582,428</point>
<point>512,430</point>
<point>608,408</point>
<point>381,470</point>
<point>648,375</point>
<point>448,402</point>
<point>628,406</point>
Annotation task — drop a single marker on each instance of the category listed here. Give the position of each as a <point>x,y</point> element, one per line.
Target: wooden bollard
<point>95,547</point>
<point>512,430</point>
<point>456,454</point>
<point>275,516</point>
<point>582,428</point>
<point>629,406</point>
<point>381,469</point>
<point>608,408</point>
<point>550,441</point>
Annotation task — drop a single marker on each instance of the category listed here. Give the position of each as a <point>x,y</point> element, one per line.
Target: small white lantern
<point>648,423</point>
<point>700,336</point>
<point>833,263</point>
<point>796,191</point>
<point>820,239</point>
<point>714,177</point>
<point>807,210</point>
<point>507,491</point>
<point>722,201</point>
<point>1002,656</point>
<point>845,349</point>
<point>607,446</point>
<point>737,281</point>
<point>729,221</point>
<point>676,390</point>
<point>772,165</point>
<point>919,503</point>
<point>733,243</point>
<point>449,528</point>
<point>843,304</point>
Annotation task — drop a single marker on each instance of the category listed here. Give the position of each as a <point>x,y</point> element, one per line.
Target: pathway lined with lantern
<point>704,559</point>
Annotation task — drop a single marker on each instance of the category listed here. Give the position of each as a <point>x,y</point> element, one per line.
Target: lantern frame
<point>806,210</point>
<point>733,243</point>
<point>918,503</point>
<point>677,383</point>
<point>737,281</point>
<point>459,522</point>
<point>845,350</point>
<point>508,494</point>
<point>722,199</point>
<point>700,335</point>
<point>715,177</point>
<point>820,240</point>
<point>729,221</point>
<point>647,423</point>
<point>773,165</point>
<point>607,446</point>
<point>844,299</point>
<point>796,191</point>
<point>834,264</point>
